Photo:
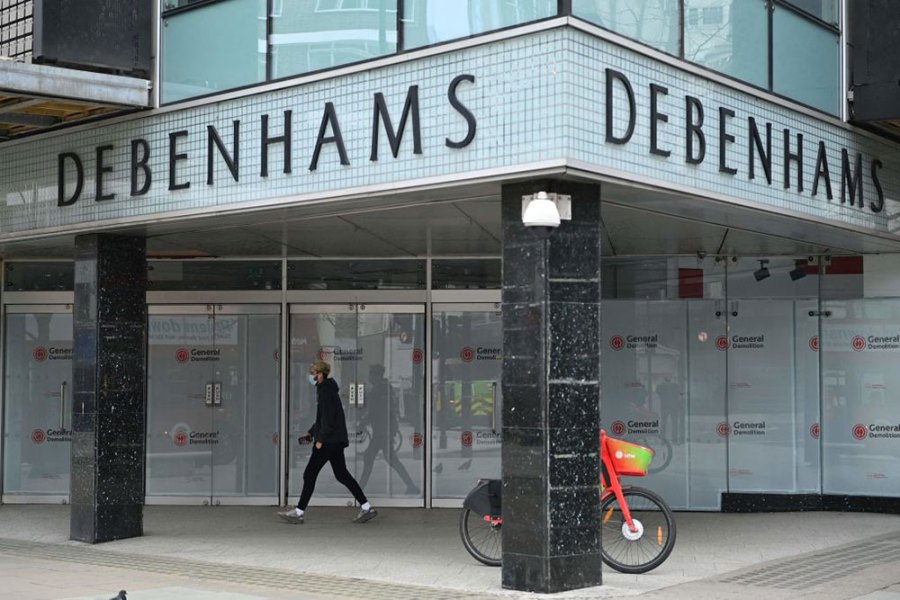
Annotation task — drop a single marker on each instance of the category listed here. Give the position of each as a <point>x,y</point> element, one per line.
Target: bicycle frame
<point>609,481</point>
<point>609,485</point>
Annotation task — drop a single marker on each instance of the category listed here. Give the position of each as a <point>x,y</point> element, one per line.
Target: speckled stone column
<point>551,394</point>
<point>109,392</point>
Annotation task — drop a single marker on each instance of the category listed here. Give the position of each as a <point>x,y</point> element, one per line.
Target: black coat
<point>330,427</point>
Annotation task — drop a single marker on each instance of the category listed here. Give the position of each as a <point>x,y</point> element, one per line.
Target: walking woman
<point>329,437</point>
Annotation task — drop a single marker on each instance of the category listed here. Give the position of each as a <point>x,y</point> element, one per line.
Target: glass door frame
<point>225,304</point>
<point>400,302</point>
<point>24,303</point>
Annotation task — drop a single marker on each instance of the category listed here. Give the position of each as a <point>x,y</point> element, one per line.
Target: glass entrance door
<point>377,358</point>
<point>38,391</point>
<point>466,397</point>
<point>213,404</point>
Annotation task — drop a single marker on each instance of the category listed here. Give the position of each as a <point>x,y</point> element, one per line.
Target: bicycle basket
<point>628,458</point>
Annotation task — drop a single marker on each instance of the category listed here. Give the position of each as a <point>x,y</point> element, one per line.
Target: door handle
<point>352,399</point>
<point>494,407</point>
<point>209,394</point>
<point>360,394</point>
<point>217,393</point>
<point>62,405</point>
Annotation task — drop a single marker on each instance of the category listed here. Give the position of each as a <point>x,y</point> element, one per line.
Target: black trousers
<point>335,455</point>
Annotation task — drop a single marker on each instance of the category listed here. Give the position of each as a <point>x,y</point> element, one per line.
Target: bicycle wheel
<point>650,545</point>
<point>481,538</point>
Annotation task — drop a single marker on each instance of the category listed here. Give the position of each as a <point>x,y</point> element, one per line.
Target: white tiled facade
<point>538,99</point>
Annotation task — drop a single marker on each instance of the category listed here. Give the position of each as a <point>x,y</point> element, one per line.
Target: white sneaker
<point>291,516</point>
<point>365,515</point>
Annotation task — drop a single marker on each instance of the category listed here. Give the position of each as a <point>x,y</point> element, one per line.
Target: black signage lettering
<point>657,117</point>
<point>724,137</point>
<point>461,109</point>
<point>380,113</point>
<point>764,154</point>
<point>613,75</point>
<point>877,206</point>
<point>101,169</point>
<point>213,139</point>
<point>851,181</point>
<point>174,157</point>
<point>267,141</point>
<point>61,199</point>
<point>791,157</point>
<point>822,171</point>
<point>330,117</point>
<point>140,164</point>
<point>694,129</point>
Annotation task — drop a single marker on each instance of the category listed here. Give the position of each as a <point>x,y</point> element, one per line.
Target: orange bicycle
<point>637,526</point>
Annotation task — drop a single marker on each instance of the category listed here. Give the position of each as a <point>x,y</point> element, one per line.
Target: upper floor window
<point>215,45</point>
<point>734,37</point>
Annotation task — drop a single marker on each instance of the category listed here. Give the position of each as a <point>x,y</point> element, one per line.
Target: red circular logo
<point>617,342</point>
<point>722,343</point>
<point>418,356</point>
<point>416,440</point>
<point>323,354</point>
<point>39,354</point>
<point>181,438</point>
<point>814,343</point>
<point>182,355</point>
<point>814,431</point>
<point>618,427</point>
<point>860,432</point>
<point>38,436</point>
<point>723,429</point>
<point>467,354</point>
<point>859,343</point>
<point>466,439</point>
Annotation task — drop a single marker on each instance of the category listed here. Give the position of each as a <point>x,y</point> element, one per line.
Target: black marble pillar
<point>551,394</point>
<point>109,391</point>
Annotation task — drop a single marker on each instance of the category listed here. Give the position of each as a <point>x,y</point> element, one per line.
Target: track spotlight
<point>762,272</point>
<point>798,273</point>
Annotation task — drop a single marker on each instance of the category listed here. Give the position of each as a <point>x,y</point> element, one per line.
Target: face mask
<point>312,379</point>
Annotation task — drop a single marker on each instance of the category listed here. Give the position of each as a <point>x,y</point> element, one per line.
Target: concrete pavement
<point>415,553</point>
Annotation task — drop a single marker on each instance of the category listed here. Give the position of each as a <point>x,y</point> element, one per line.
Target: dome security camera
<point>541,214</point>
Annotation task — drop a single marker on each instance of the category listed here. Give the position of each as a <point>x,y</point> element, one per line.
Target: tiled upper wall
<point>536,99</point>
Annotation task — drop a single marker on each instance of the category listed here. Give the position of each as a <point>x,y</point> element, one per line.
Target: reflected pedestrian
<point>329,437</point>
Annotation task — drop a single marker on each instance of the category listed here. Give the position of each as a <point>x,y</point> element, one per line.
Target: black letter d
<point>79,182</point>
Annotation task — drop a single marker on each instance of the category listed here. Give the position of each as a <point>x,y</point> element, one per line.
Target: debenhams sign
<point>709,132</point>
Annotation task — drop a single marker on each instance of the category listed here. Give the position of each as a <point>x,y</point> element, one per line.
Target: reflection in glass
<point>182,275</point>
<point>37,435</point>
<point>378,362</point>
<point>213,48</point>
<point>308,35</point>
<point>860,414</point>
<point>466,399</point>
<point>378,274</point>
<point>199,444</point>
<point>653,22</point>
<point>428,22</point>
<point>730,37</point>
<point>827,10</point>
<point>40,276</point>
<point>806,61</point>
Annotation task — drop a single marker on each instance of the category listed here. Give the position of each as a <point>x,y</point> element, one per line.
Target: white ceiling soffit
<point>635,223</point>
